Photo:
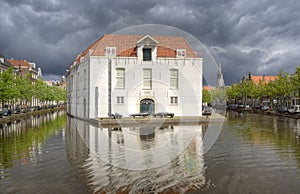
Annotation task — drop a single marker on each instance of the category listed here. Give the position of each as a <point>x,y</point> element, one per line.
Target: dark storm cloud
<point>261,36</point>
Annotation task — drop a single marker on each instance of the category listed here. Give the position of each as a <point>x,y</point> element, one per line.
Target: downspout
<point>109,88</point>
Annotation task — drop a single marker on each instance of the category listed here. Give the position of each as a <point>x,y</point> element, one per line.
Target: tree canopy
<point>14,88</point>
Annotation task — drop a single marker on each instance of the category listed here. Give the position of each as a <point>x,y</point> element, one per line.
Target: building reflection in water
<point>19,126</point>
<point>137,159</point>
<point>21,140</point>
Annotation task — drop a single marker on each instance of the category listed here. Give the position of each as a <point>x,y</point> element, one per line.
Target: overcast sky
<point>261,36</point>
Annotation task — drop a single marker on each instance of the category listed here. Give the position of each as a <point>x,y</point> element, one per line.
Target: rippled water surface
<point>55,154</point>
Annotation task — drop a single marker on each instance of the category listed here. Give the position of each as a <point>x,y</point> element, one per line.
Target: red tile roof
<point>265,79</point>
<point>19,63</point>
<point>126,45</point>
<point>208,88</point>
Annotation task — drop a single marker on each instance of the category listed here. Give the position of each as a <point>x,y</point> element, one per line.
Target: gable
<point>147,40</point>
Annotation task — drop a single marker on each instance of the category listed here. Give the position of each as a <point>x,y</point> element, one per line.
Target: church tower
<point>220,78</point>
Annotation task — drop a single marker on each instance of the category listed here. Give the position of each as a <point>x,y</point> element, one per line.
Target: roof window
<point>180,53</point>
<point>110,51</point>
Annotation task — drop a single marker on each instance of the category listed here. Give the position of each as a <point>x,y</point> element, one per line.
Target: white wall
<point>189,92</point>
<point>96,68</point>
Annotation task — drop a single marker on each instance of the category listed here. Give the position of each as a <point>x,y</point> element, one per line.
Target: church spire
<point>220,77</point>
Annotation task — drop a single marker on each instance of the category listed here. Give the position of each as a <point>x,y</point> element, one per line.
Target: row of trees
<point>284,87</point>
<point>17,90</point>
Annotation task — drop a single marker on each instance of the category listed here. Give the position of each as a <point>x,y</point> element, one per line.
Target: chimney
<point>250,78</point>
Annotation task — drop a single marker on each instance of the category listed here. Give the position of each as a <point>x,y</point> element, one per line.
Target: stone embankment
<point>14,117</point>
<point>271,112</point>
<point>148,121</point>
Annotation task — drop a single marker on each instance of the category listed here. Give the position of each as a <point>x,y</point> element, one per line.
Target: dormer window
<point>180,53</point>
<point>110,51</point>
<point>147,48</point>
<point>147,54</point>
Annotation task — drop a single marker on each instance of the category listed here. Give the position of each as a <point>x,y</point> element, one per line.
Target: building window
<point>174,100</point>
<point>147,78</point>
<point>173,78</point>
<point>147,54</point>
<point>120,100</point>
<point>120,78</point>
<point>181,53</point>
<point>110,51</point>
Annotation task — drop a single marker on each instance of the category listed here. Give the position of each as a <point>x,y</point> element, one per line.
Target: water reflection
<point>105,154</point>
<point>21,140</point>
<point>20,125</point>
<point>297,129</point>
<point>279,133</point>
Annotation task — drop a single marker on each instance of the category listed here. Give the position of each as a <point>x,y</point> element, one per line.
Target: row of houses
<point>24,67</point>
<point>21,67</point>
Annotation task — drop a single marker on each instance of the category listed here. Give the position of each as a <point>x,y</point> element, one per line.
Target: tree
<point>8,86</point>
<point>295,79</point>
<point>25,88</point>
<point>232,92</point>
<point>206,96</point>
<point>22,89</point>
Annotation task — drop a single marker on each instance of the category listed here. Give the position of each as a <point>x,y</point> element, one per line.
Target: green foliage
<point>14,87</point>
<point>7,85</point>
<point>232,91</point>
<point>285,86</point>
<point>206,96</point>
<point>295,80</point>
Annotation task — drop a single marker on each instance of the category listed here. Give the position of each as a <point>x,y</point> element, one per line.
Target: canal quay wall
<point>271,113</point>
<point>14,117</point>
<point>142,121</point>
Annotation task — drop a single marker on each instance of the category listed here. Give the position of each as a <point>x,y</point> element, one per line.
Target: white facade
<point>136,82</point>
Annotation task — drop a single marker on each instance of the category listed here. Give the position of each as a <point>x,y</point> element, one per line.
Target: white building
<point>128,74</point>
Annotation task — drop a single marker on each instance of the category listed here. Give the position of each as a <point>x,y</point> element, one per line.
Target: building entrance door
<point>147,105</point>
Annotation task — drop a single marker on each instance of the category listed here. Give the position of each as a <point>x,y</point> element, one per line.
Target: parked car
<point>294,109</point>
<point>282,109</point>
<point>297,109</point>
<point>6,112</point>
<point>37,108</point>
<point>234,106</point>
<point>141,114</point>
<point>265,108</point>
<point>247,107</point>
<point>206,110</point>
<point>115,116</point>
<point>163,114</point>
<point>16,111</point>
<point>23,110</point>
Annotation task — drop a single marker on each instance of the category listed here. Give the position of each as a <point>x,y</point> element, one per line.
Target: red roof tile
<point>126,45</point>
<point>19,63</point>
<point>265,79</point>
<point>208,88</point>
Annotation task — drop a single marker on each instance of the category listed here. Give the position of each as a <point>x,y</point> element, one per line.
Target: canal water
<point>53,153</point>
